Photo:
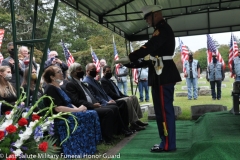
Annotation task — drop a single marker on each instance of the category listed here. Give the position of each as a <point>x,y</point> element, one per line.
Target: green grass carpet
<point>214,136</point>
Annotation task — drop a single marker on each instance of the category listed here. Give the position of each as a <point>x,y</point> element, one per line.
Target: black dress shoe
<point>136,127</point>
<point>157,149</point>
<point>127,133</point>
<point>140,123</point>
<point>131,130</point>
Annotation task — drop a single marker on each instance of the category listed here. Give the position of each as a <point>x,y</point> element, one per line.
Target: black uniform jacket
<point>162,43</point>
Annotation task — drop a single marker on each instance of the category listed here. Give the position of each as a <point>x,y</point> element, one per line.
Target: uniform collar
<point>160,23</point>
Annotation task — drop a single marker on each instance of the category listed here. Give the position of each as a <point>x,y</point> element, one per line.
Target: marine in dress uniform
<point>163,74</point>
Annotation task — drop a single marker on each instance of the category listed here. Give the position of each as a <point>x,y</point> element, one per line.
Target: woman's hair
<point>25,77</point>
<point>50,71</point>
<point>4,84</point>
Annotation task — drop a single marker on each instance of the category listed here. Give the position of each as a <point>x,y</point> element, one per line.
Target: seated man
<point>134,110</point>
<point>80,95</point>
<point>99,94</point>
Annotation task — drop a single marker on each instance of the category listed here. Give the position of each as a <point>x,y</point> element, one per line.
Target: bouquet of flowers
<point>26,135</point>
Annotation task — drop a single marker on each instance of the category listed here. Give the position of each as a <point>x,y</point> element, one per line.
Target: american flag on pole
<point>1,36</point>
<point>134,70</point>
<point>95,60</point>
<point>115,56</point>
<point>68,56</point>
<point>212,49</point>
<point>184,54</point>
<point>233,52</point>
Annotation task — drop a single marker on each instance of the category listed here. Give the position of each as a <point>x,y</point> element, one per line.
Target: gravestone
<point>204,87</point>
<point>181,94</point>
<point>184,87</point>
<point>152,116</point>
<point>198,110</point>
<point>144,107</point>
<point>204,92</point>
<point>178,83</point>
<point>226,80</point>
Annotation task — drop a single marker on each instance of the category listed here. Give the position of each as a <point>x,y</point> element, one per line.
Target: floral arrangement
<point>24,132</point>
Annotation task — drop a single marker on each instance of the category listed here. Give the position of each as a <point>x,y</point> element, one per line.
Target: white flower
<point>6,124</point>
<point>32,124</point>
<point>37,139</point>
<point>46,124</point>
<point>44,128</point>
<point>24,136</point>
<point>18,143</point>
<point>28,131</point>
<point>24,114</point>
<point>18,152</point>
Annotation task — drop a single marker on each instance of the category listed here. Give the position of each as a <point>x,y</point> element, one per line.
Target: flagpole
<point>63,52</point>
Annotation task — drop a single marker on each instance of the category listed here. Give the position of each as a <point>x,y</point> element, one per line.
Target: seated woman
<point>7,91</point>
<point>84,140</point>
<point>32,83</point>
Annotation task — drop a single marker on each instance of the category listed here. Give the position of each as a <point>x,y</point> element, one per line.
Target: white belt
<point>163,57</point>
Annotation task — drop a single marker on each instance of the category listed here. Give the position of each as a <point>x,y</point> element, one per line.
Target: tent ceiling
<point>186,17</point>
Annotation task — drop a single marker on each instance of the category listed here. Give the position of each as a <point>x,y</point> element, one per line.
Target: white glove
<point>124,60</point>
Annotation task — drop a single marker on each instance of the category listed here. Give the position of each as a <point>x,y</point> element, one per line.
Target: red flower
<point>35,117</point>
<point>11,157</point>
<point>11,129</point>
<point>1,135</point>
<point>43,146</point>
<point>7,112</point>
<point>22,122</point>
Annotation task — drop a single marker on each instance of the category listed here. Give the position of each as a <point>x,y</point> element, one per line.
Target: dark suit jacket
<point>109,89</point>
<point>97,91</point>
<point>76,94</point>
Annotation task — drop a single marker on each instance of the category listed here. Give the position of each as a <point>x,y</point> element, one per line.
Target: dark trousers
<point>218,84</point>
<point>106,116</point>
<point>123,112</point>
<point>164,111</point>
<point>118,124</point>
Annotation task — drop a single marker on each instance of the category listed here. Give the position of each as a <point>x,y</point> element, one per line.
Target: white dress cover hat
<point>150,9</point>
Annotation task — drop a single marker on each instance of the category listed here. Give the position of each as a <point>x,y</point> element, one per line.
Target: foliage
<point>23,132</point>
